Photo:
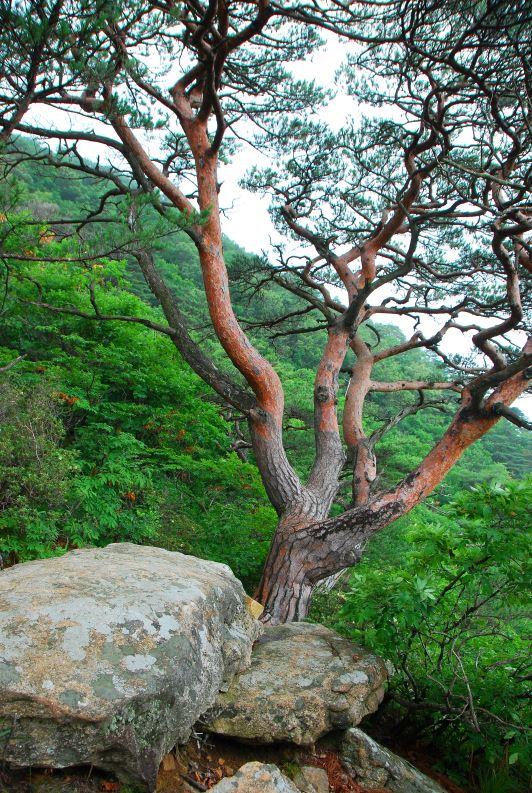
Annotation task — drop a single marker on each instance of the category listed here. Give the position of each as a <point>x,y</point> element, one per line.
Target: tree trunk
<point>308,546</point>
<point>287,580</point>
<point>284,589</point>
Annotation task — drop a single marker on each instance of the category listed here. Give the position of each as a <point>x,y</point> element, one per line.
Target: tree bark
<point>285,588</point>
<point>308,546</point>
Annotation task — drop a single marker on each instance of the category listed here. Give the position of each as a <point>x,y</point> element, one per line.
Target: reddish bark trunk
<point>300,556</point>
<point>286,588</point>
<point>309,547</point>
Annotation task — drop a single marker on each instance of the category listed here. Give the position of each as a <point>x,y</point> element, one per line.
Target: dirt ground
<point>199,765</point>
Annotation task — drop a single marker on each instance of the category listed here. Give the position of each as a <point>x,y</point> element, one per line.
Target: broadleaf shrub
<point>445,599</point>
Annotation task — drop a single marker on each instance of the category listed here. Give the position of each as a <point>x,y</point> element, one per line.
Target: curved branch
<point>414,385</point>
<point>343,538</point>
<point>12,363</point>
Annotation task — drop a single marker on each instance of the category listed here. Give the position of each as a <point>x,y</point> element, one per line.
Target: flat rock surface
<point>109,655</point>
<point>374,766</point>
<point>256,778</point>
<point>304,681</point>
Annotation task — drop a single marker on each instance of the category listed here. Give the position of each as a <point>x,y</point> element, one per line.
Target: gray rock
<point>304,681</point>
<point>377,767</point>
<point>108,656</point>
<point>256,778</point>
<point>310,779</point>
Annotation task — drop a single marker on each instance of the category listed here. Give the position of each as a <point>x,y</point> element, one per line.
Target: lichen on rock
<point>376,767</point>
<point>303,682</point>
<point>108,656</point>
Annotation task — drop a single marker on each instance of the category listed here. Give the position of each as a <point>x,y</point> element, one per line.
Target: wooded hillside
<point>136,446</point>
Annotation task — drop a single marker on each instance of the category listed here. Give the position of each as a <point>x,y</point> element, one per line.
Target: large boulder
<point>303,682</point>
<point>256,778</point>
<point>376,767</point>
<point>108,656</point>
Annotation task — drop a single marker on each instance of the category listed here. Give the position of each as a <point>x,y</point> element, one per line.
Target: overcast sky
<point>248,222</point>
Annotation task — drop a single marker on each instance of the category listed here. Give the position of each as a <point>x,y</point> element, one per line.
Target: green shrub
<point>445,599</point>
<point>35,472</point>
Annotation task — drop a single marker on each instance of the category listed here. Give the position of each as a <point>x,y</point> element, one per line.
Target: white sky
<point>248,222</point>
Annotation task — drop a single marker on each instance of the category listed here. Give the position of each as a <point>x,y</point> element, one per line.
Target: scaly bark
<point>307,548</point>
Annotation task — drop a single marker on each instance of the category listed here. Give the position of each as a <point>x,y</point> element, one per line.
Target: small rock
<point>310,779</point>
<point>377,767</point>
<point>303,682</point>
<point>256,778</point>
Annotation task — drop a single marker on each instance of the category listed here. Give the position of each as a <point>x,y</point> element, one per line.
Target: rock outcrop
<point>256,778</point>
<point>108,656</point>
<point>376,767</point>
<point>304,681</point>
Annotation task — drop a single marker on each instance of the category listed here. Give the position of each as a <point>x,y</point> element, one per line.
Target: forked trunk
<point>289,575</point>
<point>308,546</point>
